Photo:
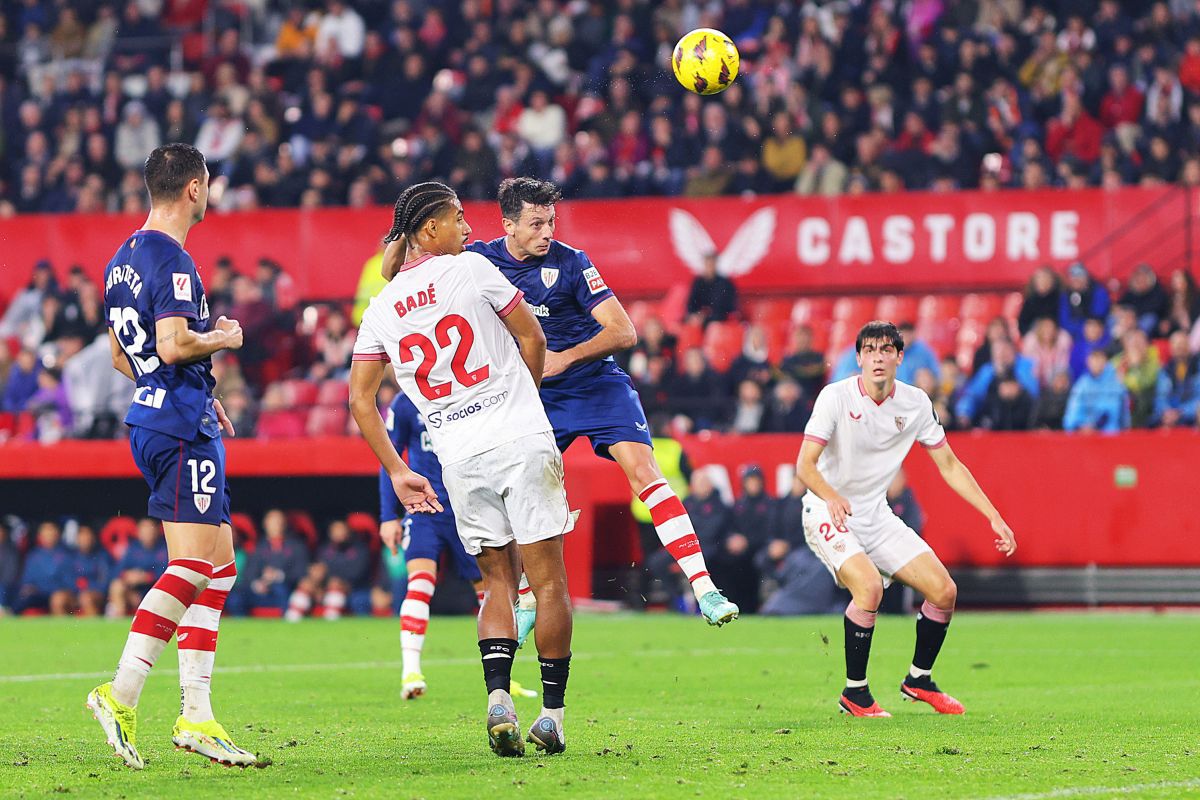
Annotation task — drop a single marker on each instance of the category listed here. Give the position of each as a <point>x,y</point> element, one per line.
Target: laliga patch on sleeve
<point>181,282</point>
<point>594,281</point>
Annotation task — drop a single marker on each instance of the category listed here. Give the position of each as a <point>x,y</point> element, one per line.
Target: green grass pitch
<point>1058,705</point>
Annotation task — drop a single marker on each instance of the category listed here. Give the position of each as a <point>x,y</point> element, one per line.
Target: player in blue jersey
<point>584,391</point>
<point>163,339</point>
<point>425,538</point>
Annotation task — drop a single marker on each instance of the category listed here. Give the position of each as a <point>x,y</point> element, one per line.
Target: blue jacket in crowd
<point>1098,401</point>
<point>976,390</point>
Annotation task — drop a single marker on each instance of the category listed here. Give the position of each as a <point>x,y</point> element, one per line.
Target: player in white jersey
<point>446,321</point>
<point>860,431</point>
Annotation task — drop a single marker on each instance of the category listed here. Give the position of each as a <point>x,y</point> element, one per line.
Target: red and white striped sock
<point>299,605</point>
<point>155,622</point>
<point>334,602</point>
<point>414,619</point>
<point>675,531</point>
<point>197,638</point>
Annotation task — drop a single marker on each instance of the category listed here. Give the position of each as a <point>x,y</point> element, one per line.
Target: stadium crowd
<point>338,103</point>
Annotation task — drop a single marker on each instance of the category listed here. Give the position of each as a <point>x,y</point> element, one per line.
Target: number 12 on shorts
<point>203,473</point>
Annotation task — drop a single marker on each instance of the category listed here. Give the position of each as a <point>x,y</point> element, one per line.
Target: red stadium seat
<point>673,307</point>
<point>8,425</point>
<point>282,424</point>
<point>364,525</point>
<point>689,336</point>
<point>116,533</point>
<point>769,311</point>
<point>841,336</point>
<point>300,393</point>
<point>722,344</point>
<point>857,311</point>
<point>302,525</point>
<point>327,421</point>
<point>937,307</point>
<point>779,338</point>
<point>981,307</point>
<point>26,427</point>
<point>897,308</point>
<point>639,311</point>
<point>334,394</point>
<point>245,532</point>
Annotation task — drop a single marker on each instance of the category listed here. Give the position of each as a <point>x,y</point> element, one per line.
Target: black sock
<point>930,635</point>
<point>555,672</point>
<point>858,649</point>
<point>497,662</point>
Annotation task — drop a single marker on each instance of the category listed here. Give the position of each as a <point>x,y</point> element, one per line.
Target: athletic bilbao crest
<point>745,250</point>
<point>549,276</point>
<point>899,423</point>
<point>202,501</point>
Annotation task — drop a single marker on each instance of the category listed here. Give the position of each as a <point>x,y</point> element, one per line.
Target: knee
<point>644,472</point>
<point>869,596</point>
<point>944,595</point>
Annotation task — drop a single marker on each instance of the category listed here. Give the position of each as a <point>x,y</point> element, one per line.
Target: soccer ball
<point>705,61</point>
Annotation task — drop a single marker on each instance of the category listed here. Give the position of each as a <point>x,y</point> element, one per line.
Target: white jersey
<point>866,442</point>
<point>439,323</point>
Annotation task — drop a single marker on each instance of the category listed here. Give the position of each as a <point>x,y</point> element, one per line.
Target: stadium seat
<point>301,524</point>
<point>8,425</point>
<point>245,532</point>
<point>327,421</point>
<point>981,307</point>
<point>812,310</point>
<point>897,308</point>
<point>841,335</point>
<point>722,344</point>
<point>673,307</point>
<point>116,533</point>
<point>639,311</point>
<point>26,427</point>
<point>299,393</point>
<point>769,311</point>
<point>856,311</point>
<point>364,525</point>
<point>282,424</point>
<point>333,394</point>
<point>689,336</point>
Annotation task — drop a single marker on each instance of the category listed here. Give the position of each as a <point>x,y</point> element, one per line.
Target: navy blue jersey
<point>407,429</point>
<point>150,278</point>
<point>562,287</point>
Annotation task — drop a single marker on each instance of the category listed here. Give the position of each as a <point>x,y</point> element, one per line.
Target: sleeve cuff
<point>371,357</point>
<point>808,437</point>
<point>512,304</point>
<point>598,300</point>
<point>939,443</point>
<point>179,313</point>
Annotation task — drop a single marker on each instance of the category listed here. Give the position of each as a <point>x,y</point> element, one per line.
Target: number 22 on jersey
<point>132,338</point>
<point>414,342</point>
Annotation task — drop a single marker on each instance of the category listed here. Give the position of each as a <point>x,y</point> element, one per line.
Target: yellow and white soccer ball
<point>705,61</point>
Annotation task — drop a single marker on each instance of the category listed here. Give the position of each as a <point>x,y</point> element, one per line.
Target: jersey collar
<point>414,263</point>
<point>158,234</point>
<point>862,389</point>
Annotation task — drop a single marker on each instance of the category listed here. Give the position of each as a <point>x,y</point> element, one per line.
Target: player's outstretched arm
<point>120,361</point>
<point>413,490</point>
<point>617,334</point>
<point>959,478</point>
<point>523,325</point>
<point>176,343</point>
<point>806,466</point>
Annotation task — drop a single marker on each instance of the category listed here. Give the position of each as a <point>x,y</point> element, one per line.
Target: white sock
<point>197,638</point>
<point>919,673</point>
<point>855,684</point>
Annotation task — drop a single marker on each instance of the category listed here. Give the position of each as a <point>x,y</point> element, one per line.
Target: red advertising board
<point>904,242</point>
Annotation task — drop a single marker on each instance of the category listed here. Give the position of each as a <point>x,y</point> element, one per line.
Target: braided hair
<point>416,204</point>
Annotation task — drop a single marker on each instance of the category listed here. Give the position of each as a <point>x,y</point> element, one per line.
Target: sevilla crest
<point>899,423</point>
<point>745,250</point>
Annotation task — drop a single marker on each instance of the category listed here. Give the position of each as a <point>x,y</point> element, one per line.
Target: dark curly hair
<point>416,204</point>
<point>514,193</point>
<point>880,330</point>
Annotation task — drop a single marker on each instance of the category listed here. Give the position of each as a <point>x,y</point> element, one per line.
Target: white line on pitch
<point>1086,791</point>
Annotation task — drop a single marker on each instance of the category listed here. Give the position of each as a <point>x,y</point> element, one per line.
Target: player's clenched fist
<point>1006,542</point>
<point>233,331</point>
<point>415,493</point>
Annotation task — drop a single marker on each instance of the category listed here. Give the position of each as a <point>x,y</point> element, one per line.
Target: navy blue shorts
<point>604,408</point>
<point>187,479</point>
<point>428,536</point>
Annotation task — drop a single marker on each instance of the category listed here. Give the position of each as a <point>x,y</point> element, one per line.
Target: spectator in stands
<point>997,329</point>
<point>749,410</point>
<point>1051,403</point>
<point>791,581</point>
<point>347,560</point>
<point>1098,400</point>
<point>713,297</point>
<point>749,528</point>
<point>277,564</point>
<point>1082,298</point>
<point>1138,368</point>
<point>1177,394</point>
<point>1005,365</point>
<point>10,569</point>
<point>92,571</point>
<point>50,407</point>
<point>1049,348</point>
<point>846,365</point>
<point>710,516</point>
<point>144,559</point>
<point>1095,337</point>
<point>240,409</point>
<point>1007,407</point>
<point>46,579</point>
<point>137,135</point>
<point>753,363</point>
<point>823,174</point>
<point>1122,321</point>
<point>341,35</point>
<point>219,137</point>
<point>653,340</point>
<point>1183,305</point>
<point>22,382</point>
<point>697,393</point>
<point>653,385</point>
<point>803,364</point>
<point>788,410</point>
<point>917,355</point>
<point>26,308</point>
<point>1041,299</point>
<point>335,345</point>
<point>783,153</point>
<point>1146,296</point>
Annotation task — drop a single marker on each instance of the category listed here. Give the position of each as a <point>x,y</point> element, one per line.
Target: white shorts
<point>513,492</point>
<point>880,534</point>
